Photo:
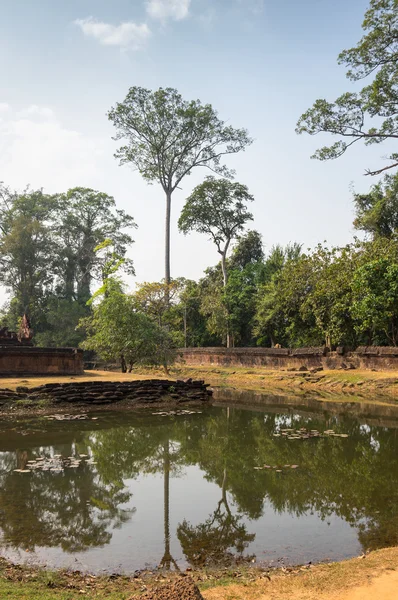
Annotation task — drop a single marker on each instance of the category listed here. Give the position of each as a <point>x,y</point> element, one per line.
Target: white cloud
<point>36,111</point>
<point>4,106</point>
<point>125,35</point>
<point>168,9</point>
<point>36,149</point>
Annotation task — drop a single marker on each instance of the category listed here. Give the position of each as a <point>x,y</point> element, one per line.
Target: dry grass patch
<point>369,578</point>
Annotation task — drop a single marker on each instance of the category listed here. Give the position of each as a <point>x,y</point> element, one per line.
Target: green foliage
<point>61,319</point>
<point>116,331</point>
<point>375,302</point>
<point>248,250</point>
<point>212,304</point>
<point>370,115</point>
<point>52,250</point>
<point>377,211</point>
<point>342,296</point>
<point>86,219</point>
<point>270,322</point>
<point>240,298</point>
<point>217,208</point>
<point>168,136</point>
<point>194,322</point>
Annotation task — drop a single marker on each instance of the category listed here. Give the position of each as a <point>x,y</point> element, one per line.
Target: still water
<point>174,490</point>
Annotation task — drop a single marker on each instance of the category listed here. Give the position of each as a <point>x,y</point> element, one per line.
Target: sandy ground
<point>374,577</point>
<point>384,587</point>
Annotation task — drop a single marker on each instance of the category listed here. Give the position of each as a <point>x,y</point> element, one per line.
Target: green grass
<point>22,591</point>
<point>40,590</point>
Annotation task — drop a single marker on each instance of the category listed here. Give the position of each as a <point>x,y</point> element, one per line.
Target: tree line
<point>51,256</point>
<point>54,251</point>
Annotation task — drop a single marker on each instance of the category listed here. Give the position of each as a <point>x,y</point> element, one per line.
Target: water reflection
<point>354,480</point>
<point>212,541</point>
<point>56,510</point>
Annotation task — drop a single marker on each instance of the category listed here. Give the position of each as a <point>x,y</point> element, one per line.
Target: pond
<point>120,491</point>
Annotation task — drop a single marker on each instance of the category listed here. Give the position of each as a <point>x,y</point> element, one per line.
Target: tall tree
<point>167,137</point>
<point>27,249</point>
<point>349,116</point>
<point>87,218</point>
<point>6,200</point>
<point>217,207</point>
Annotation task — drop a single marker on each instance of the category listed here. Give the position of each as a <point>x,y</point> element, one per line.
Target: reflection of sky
<point>140,541</point>
<point>373,442</point>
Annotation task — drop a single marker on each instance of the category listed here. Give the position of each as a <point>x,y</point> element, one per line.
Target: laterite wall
<point>27,360</point>
<point>364,357</point>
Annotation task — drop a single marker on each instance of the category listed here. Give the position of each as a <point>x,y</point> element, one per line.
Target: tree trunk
<point>166,496</point>
<point>123,363</point>
<point>328,342</point>
<point>225,278</point>
<point>224,267</point>
<point>167,560</point>
<point>185,327</point>
<point>167,278</point>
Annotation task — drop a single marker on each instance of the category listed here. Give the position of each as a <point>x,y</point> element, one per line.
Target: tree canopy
<point>377,211</point>
<point>370,115</point>
<point>217,207</point>
<point>116,331</point>
<point>167,137</point>
<point>48,256</point>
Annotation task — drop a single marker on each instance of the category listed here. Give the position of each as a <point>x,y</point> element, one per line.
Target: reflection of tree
<point>145,449</point>
<point>71,510</point>
<point>355,478</point>
<point>212,541</point>
<point>167,560</point>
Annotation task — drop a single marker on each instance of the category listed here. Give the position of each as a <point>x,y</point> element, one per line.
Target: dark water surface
<point>177,490</point>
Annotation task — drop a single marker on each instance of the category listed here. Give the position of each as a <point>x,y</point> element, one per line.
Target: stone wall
<point>24,361</point>
<point>108,392</point>
<point>364,357</point>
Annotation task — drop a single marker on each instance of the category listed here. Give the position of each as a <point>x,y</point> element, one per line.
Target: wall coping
<point>321,351</point>
<point>36,350</point>
<point>294,352</point>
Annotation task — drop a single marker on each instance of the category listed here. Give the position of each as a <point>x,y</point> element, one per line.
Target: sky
<point>260,63</point>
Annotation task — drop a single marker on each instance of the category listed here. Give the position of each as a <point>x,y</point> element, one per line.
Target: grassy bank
<point>372,576</point>
<point>335,386</point>
<point>354,385</point>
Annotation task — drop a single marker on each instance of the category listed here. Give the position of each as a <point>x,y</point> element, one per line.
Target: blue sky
<point>259,63</point>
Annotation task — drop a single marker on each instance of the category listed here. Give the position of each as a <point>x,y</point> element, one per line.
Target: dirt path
<point>384,587</point>
<point>372,578</point>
